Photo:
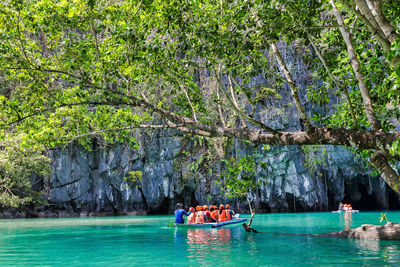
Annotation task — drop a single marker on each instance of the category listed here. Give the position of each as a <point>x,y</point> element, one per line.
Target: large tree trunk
<point>380,161</point>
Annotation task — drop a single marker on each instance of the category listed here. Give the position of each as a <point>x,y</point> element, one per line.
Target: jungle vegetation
<point>72,70</point>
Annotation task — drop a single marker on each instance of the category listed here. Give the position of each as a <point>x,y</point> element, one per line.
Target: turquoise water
<point>147,241</point>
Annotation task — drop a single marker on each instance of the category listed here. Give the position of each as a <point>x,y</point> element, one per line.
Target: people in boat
<point>179,213</point>
<point>221,214</point>
<point>192,217</point>
<point>228,208</point>
<point>200,215</point>
<point>207,214</point>
<point>214,213</point>
<point>227,214</point>
<point>349,208</point>
<point>340,206</point>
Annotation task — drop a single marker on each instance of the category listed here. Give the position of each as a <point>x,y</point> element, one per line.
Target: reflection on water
<point>348,221</point>
<point>204,245</point>
<point>375,249</point>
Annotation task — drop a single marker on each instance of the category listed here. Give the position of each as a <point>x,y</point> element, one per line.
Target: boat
<point>234,222</point>
<point>345,211</point>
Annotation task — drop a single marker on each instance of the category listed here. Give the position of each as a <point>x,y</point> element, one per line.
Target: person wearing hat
<point>179,212</point>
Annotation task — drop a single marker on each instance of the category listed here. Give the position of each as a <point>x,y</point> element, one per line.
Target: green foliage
<point>134,179</point>
<point>383,217</point>
<point>71,70</point>
<point>238,179</point>
<point>17,167</point>
<point>395,148</point>
<point>315,157</point>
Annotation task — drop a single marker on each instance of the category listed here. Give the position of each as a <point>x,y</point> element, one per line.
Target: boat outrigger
<point>234,222</point>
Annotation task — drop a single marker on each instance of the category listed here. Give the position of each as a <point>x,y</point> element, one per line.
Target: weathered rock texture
<point>389,231</point>
<point>175,169</point>
<point>94,181</point>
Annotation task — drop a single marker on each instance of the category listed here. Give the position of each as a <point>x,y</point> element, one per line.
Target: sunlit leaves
<point>238,178</point>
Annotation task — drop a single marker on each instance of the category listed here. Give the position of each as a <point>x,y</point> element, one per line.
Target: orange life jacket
<point>222,216</point>
<point>228,215</point>
<point>208,215</point>
<point>199,217</point>
<point>191,218</point>
<point>214,214</point>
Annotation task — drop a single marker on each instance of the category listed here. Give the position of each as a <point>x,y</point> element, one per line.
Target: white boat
<point>234,222</point>
<point>345,211</point>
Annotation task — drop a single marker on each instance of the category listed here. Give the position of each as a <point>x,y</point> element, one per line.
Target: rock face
<point>94,181</point>
<point>389,231</point>
<point>175,169</point>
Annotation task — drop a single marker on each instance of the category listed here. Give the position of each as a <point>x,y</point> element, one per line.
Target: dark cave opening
<point>393,199</point>
<point>357,195</point>
<point>294,205</point>
<point>162,209</point>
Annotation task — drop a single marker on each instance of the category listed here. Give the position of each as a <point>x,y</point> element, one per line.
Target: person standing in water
<point>179,212</point>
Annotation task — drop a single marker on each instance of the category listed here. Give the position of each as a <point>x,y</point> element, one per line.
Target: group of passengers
<point>204,214</point>
<point>345,207</point>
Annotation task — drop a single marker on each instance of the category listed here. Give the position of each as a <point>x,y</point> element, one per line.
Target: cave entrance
<point>393,199</point>
<point>294,205</point>
<point>162,209</point>
<point>357,195</point>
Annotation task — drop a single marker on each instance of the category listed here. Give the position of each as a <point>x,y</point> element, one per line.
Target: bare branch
<point>253,108</point>
<point>385,25</point>
<point>339,86</point>
<point>234,100</point>
<point>374,122</point>
<point>190,103</point>
<point>292,86</point>
<point>377,32</point>
<point>240,111</point>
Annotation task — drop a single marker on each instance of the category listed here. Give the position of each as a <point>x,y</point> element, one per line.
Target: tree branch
<point>240,112</point>
<point>374,122</point>
<point>339,86</point>
<point>292,86</point>
<point>190,103</point>
<point>380,161</point>
<point>234,100</point>
<point>377,32</point>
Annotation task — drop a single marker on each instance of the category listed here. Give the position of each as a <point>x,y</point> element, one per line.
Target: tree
<point>77,69</point>
<point>18,167</point>
<point>239,180</point>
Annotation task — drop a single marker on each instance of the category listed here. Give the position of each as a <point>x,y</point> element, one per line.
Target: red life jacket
<point>191,218</point>
<point>199,217</point>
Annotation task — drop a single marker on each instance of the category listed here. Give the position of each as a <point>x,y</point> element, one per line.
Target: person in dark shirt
<point>179,212</point>
<point>340,206</point>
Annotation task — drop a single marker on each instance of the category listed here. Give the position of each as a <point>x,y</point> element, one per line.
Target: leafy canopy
<point>71,70</point>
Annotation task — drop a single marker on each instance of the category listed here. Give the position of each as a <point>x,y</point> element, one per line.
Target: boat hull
<point>210,225</point>
<point>347,211</point>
